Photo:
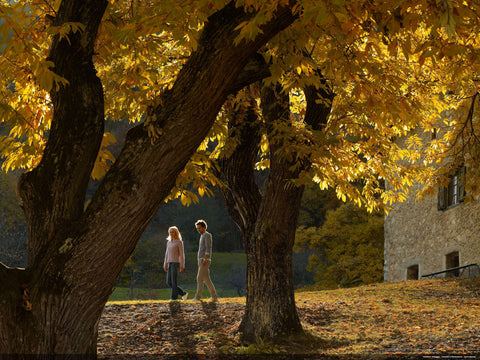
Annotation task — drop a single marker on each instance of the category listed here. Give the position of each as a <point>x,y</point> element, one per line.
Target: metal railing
<point>471,270</point>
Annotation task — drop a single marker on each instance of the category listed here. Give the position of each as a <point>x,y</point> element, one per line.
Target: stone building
<point>434,234</point>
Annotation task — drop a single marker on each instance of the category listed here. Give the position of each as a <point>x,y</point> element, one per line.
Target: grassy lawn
<point>408,319</point>
<point>397,318</point>
<point>224,268</point>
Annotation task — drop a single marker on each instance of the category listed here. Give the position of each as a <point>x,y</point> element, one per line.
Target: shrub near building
<point>348,248</point>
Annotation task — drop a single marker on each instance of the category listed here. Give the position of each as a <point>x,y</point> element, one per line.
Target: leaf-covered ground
<point>413,319</point>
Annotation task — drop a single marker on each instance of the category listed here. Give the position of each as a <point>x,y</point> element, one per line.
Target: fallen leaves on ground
<point>428,317</point>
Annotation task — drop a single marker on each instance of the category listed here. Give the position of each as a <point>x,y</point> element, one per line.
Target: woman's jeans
<point>172,276</point>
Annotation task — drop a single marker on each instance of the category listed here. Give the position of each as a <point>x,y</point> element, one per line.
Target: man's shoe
<point>185,297</point>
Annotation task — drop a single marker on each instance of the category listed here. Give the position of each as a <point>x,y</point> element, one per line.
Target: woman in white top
<point>174,262</point>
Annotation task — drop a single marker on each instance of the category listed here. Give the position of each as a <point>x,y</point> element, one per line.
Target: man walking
<point>204,260</point>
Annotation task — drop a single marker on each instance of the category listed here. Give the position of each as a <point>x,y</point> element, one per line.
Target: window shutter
<point>442,198</point>
<point>461,183</point>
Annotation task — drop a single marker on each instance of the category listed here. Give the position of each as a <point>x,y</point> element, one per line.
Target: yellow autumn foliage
<point>393,66</point>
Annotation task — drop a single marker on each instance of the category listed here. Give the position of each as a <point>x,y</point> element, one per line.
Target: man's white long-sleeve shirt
<point>205,246</point>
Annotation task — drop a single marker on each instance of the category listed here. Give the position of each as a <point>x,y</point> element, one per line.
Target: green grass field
<point>225,269</point>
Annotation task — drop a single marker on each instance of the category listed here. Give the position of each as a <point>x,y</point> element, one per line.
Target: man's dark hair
<point>202,223</point>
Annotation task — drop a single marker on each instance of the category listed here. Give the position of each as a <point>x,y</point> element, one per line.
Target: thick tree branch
<point>255,70</point>
<point>54,192</point>
<point>284,165</point>
<point>316,114</point>
<point>241,193</point>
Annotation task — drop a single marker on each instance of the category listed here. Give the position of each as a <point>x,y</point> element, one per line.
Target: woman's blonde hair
<point>174,228</point>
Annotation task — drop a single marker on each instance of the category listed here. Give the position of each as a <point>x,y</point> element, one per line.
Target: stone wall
<point>417,233</point>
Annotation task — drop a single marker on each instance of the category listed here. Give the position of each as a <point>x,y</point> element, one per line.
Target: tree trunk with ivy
<point>53,306</point>
<point>267,218</point>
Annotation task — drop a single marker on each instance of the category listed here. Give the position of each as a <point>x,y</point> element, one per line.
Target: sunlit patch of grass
<point>392,318</point>
<point>135,302</point>
<point>231,300</point>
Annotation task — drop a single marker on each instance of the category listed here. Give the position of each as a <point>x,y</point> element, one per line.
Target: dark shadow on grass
<point>213,322</point>
<point>187,326</point>
<point>307,343</point>
<point>175,308</point>
<point>209,308</point>
<point>471,284</point>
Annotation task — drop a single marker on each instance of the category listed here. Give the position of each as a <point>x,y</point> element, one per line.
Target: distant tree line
<point>337,245</point>
<point>13,240</point>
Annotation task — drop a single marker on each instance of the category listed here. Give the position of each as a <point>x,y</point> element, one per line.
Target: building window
<point>454,193</point>
<point>452,260</point>
<point>412,272</point>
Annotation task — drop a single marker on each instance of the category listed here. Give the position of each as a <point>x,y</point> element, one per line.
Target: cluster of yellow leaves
<point>386,83</point>
<point>140,49</point>
<point>104,158</point>
<point>196,176</point>
<point>388,63</point>
<point>26,77</point>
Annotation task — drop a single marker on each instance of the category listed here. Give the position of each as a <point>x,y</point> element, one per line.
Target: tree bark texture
<point>268,221</point>
<point>75,254</point>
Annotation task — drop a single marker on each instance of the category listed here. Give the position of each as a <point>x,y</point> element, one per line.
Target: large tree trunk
<point>268,221</point>
<point>74,255</point>
<point>270,307</point>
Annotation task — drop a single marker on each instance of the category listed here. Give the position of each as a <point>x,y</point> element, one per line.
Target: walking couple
<point>175,262</point>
